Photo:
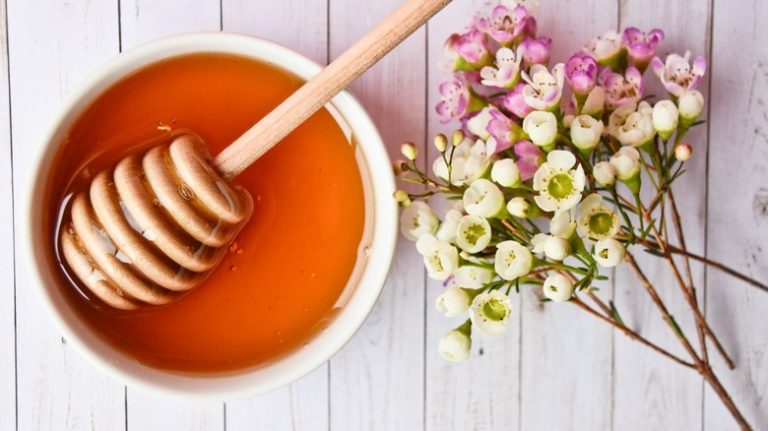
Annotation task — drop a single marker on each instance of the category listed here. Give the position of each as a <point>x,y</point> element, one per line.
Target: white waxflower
<point>605,173</point>
<point>665,118</point>
<point>683,152</point>
<point>505,173</point>
<point>440,257</point>
<point>558,288</point>
<point>470,162</point>
<point>483,198</point>
<point>490,313</point>
<point>512,260</point>
<point>478,124</point>
<point>562,225</point>
<point>473,233</point>
<point>605,48</point>
<point>632,124</point>
<point>417,220</point>
<point>553,247</point>
<point>609,252</point>
<point>586,132</point>
<point>541,127</point>
<point>596,221</point>
<point>456,344</point>
<point>519,207</point>
<point>447,230</point>
<point>690,104</point>
<point>558,184</point>
<point>626,161</point>
<point>544,88</point>
<point>453,302</point>
<point>472,276</point>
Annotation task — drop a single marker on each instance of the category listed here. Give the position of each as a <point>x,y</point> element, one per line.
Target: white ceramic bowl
<point>358,297</point>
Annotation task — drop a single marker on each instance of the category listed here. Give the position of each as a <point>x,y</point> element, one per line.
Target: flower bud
<point>609,252</point>
<point>553,247</point>
<point>483,198</point>
<point>473,233</point>
<point>505,173</point>
<point>408,150</point>
<point>541,126</point>
<point>519,207</point>
<point>665,117</point>
<point>690,104</point>
<point>402,198</point>
<point>683,152</point>
<point>456,344</point>
<point>605,173</point>
<point>441,142</point>
<point>586,132</point>
<point>453,302</point>
<point>457,138</point>
<point>626,161</point>
<point>399,166</point>
<point>558,288</point>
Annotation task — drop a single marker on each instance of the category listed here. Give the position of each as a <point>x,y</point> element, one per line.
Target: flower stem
<point>630,333</point>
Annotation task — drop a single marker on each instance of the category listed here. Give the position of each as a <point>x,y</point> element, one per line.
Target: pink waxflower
<point>470,46</point>
<point>454,99</point>
<point>677,74</point>
<point>581,73</point>
<point>504,130</point>
<point>514,101</point>
<point>621,89</point>
<point>528,159</point>
<point>544,88</point>
<point>641,46</point>
<point>536,51</point>
<point>507,70</point>
<point>506,25</point>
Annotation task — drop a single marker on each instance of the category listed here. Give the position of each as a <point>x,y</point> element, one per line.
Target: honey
<point>284,273</point>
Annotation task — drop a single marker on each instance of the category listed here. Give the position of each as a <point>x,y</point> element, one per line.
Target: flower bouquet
<point>555,175</point>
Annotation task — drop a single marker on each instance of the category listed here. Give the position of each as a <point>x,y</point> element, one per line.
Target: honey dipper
<point>158,223</point>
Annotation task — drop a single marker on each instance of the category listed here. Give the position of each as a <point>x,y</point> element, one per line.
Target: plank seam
<point>424,274</point>
<point>710,42</point>
<point>13,220</point>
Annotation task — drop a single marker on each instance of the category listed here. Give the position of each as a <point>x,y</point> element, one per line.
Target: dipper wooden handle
<point>319,90</point>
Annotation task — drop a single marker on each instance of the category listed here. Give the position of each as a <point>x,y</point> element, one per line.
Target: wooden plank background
<point>390,377</point>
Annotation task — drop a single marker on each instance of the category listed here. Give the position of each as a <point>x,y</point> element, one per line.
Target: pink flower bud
<point>683,152</point>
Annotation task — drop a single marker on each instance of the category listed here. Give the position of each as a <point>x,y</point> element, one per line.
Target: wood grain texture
<point>145,20</point>
<point>649,389</point>
<point>307,32</point>
<point>377,380</point>
<point>465,395</point>
<point>8,287</point>
<point>141,21</point>
<point>52,46</point>
<point>302,405</point>
<point>738,205</point>
<point>565,353</point>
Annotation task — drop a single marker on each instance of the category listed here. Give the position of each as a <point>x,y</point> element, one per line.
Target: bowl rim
<point>285,369</point>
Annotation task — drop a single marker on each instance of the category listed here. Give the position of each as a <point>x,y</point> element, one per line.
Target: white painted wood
<point>483,392</point>
<point>377,380</point>
<point>298,24</point>
<point>7,288</point>
<point>302,405</point>
<point>140,21</point>
<point>145,20</point>
<point>738,206</point>
<point>52,46</point>
<point>671,396</point>
<point>566,353</point>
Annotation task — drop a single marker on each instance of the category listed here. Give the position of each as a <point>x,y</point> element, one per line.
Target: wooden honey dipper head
<point>158,223</point>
